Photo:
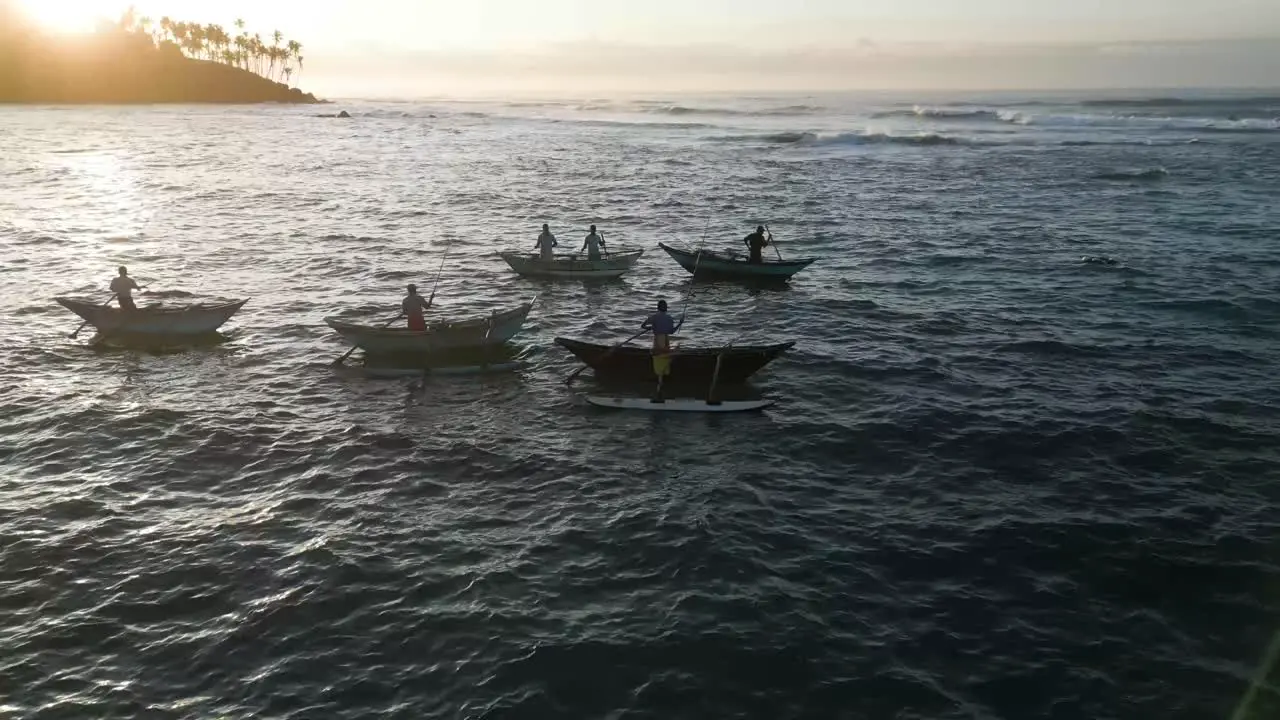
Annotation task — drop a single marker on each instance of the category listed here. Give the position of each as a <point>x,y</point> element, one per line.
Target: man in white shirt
<point>123,286</point>
<point>546,242</point>
<point>592,244</point>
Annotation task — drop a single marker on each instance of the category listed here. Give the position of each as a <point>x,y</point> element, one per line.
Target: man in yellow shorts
<point>663,326</point>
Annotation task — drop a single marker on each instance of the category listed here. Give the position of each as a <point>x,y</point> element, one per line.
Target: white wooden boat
<point>677,404</point>
<point>154,321</point>
<point>573,267</point>
<point>440,335</point>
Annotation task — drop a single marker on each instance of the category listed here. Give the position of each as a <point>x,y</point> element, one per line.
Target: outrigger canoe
<point>689,366</point>
<point>711,264</point>
<point>155,321</point>
<point>572,267</point>
<point>440,336</point>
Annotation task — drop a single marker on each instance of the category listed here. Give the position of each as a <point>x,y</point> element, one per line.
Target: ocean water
<point>998,482</point>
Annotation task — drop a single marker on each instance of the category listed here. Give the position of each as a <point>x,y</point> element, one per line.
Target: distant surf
<point>843,138</point>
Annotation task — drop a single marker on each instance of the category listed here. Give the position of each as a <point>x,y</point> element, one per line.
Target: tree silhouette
<point>212,42</point>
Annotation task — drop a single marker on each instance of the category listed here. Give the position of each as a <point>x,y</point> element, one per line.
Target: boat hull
<point>154,322</point>
<point>677,404</point>
<point>439,337</point>
<point>718,265</point>
<point>693,366</point>
<point>572,267</point>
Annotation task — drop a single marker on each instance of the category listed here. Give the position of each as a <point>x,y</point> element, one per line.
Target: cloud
<point>863,65</point>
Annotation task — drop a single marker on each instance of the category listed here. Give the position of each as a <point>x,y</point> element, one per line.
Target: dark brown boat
<point>688,365</point>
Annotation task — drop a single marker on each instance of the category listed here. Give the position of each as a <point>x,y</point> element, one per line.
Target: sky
<point>426,47</point>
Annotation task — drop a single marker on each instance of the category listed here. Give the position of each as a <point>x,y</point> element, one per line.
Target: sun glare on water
<point>70,16</point>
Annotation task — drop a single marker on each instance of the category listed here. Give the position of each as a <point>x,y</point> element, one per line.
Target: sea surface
<point>998,481</point>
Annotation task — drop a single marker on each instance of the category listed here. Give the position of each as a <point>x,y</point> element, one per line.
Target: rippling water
<point>998,483</point>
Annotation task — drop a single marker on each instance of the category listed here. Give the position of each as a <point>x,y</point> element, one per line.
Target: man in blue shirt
<point>663,326</point>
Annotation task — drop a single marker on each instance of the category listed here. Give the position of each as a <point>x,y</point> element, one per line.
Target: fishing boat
<point>439,336</point>
<point>572,267</point>
<point>734,266</point>
<point>689,366</point>
<point>156,321</point>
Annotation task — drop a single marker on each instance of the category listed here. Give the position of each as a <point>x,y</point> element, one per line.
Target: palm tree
<point>182,35</point>
<point>242,50</point>
<point>272,52</point>
<point>212,42</point>
<point>259,52</point>
<point>196,33</point>
<point>129,18</point>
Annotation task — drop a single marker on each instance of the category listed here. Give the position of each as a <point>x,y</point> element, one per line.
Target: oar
<point>86,322</point>
<point>613,349</point>
<point>715,375</point>
<point>775,247</point>
<point>352,349</point>
<point>108,302</point>
<point>602,357</point>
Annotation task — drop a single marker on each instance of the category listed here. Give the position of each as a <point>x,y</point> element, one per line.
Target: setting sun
<point>73,16</point>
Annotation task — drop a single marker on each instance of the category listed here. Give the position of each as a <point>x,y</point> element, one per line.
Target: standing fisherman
<point>413,306</point>
<point>756,243</point>
<point>663,326</point>
<point>546,242</point>
<point>123,286</point>
<point>592,244</point>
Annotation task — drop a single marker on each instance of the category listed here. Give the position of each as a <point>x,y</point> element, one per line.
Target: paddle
<point>715,375</point>
<point>577,372</point>
<point>775,247</point>
<point>613,349</point>
<point>86,322</point>
<point>352,349</point>
<point>108,302</point>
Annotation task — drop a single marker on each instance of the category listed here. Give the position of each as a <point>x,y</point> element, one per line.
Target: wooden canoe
<point>711,264</point>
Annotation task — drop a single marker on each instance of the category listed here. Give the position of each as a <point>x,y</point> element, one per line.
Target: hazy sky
<point>410,44</point>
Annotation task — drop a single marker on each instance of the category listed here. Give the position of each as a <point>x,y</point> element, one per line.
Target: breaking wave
<point>845,138</point>
<point>781,111</point>
<point>1148,174</point>
<point>941,113</point>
